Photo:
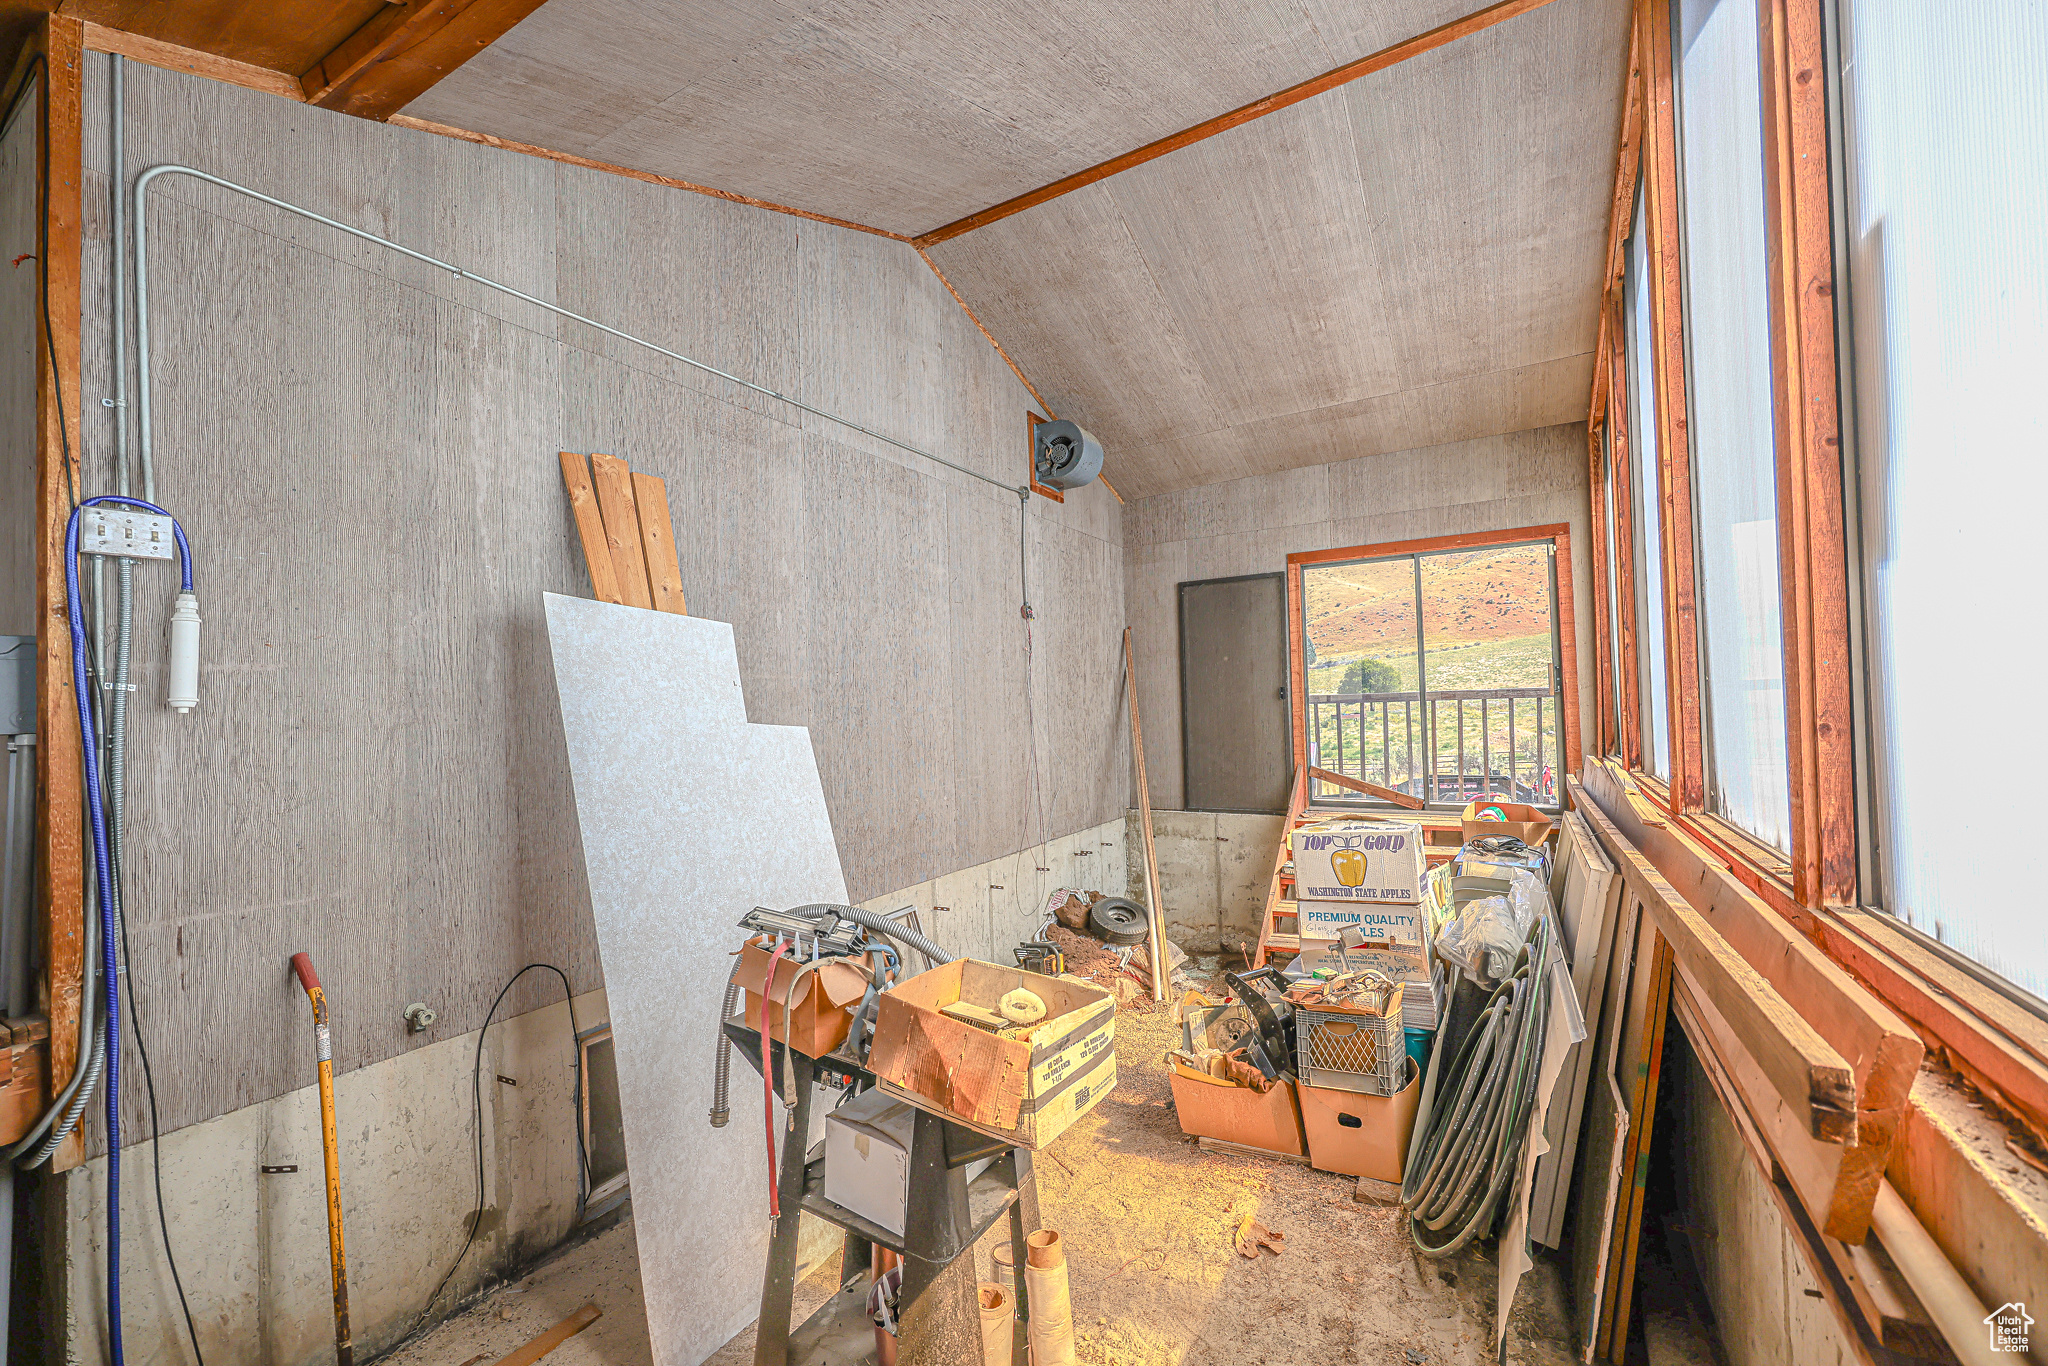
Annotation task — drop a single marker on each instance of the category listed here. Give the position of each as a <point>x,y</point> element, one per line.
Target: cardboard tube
<point>998,1317</point>
<point>1002,1269</point>
<point>1051,1325</point>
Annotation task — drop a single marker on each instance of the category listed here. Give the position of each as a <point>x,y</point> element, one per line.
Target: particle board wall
<point>1768,1308</point>
<point>363,450</point>
<point>1251,526</point>
<point>19,337</point>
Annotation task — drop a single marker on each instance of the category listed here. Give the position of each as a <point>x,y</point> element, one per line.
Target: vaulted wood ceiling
<point>1406,259</point>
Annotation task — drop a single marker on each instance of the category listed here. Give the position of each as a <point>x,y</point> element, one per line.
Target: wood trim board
<point>1834,1141</point>
<point>191,61</point>
<point>1667,343</point>
<point>60,810</point>
<point>1999,1046</point>
<point>1606,724</point>
<point>1153,905</point>
<point>597,555</point>
<point>1620,469</point>
<point>1812,555</point>
<point>658,544</point>
<point>614,483</point>
<point>1814,1080</point>
<point>1385,794</point>
<point>1882,1050</point>
<point>1869,1302</point>
<point>1015,369</point>
<point>406,50</point>
<point>1294,94</point>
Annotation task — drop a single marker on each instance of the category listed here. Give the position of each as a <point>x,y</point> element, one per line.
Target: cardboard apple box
<point>1352,858</point>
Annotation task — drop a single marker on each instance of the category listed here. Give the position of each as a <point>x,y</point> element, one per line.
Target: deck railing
<point>1449,746</point>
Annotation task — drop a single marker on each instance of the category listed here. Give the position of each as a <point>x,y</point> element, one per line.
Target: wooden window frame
<point>1559,534</point>
<point>1997,1043</point>
<point>1820,869</point>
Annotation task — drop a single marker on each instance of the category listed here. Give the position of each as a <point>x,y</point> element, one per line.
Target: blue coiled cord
<point>95,801</point>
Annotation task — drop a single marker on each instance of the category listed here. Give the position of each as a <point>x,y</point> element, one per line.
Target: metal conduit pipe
<point>142,388</point>
<point>1464,1164</point>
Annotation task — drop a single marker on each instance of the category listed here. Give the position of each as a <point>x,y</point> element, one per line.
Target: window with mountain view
<point>1435,674</point>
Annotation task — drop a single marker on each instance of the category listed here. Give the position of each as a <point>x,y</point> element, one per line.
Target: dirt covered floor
<point>1148,1219</point>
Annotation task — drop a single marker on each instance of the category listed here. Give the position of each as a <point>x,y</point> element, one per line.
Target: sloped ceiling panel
<point>1409,260</point>
<point>900,117</point>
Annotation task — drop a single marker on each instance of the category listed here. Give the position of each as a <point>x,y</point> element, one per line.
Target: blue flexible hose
<point>95,801</point>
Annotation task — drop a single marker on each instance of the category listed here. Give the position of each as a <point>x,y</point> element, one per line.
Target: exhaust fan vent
<point>1063,456</point>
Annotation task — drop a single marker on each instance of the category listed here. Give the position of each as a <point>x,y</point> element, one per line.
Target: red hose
<point>768,1076</point>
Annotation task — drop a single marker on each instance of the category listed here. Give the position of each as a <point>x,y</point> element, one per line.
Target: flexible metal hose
<point>721,1066</point>
<point>70,1102</point>
<point>1465,1163</point>
<point>880,924</point>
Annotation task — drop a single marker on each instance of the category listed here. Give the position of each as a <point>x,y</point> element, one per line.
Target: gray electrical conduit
<point>142,183</point>
<point>867,920</point>
<point>1465,1161</point>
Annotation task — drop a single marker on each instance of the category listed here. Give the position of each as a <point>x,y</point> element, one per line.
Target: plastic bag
<point>1482,941</point>
<point>1485,939</point>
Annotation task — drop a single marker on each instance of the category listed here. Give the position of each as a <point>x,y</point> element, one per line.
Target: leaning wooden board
<point>629,544</point>
<point>1587,896</point>
<point>1806,1070</point>
<point>1881,1049</point>
<point>1603,1163</point>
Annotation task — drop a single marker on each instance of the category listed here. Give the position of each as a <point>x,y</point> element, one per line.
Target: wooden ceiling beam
<point>1437,37</point>
<point>169,56</point>
<point>405,51</point>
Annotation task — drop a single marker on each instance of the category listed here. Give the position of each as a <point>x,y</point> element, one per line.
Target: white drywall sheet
<point>690,817</point>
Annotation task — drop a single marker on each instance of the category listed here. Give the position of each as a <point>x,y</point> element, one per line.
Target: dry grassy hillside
<point>1477,595</point>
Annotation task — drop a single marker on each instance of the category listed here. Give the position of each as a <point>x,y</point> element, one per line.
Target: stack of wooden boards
<point>1817,1089</point>
<point>628,542</point>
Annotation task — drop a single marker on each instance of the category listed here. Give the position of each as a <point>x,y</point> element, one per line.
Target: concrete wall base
<point>252,1246</point>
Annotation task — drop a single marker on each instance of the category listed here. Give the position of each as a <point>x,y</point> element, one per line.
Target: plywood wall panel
<point>20,334</point>
<point>896,116</point>
<point>1409,259</point>
<point>364,451</point>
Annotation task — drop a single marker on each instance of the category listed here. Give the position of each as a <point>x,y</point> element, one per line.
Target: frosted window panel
<point>1649,549</point>
<point>1946,113</point>
<point>1727,320</point>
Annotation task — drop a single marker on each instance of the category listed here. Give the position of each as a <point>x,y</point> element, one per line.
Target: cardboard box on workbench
<point>1024,1090</point>
<point>821,1019</point>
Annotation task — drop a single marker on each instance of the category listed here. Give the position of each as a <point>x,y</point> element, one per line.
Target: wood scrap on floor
<point>553,1337</point>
